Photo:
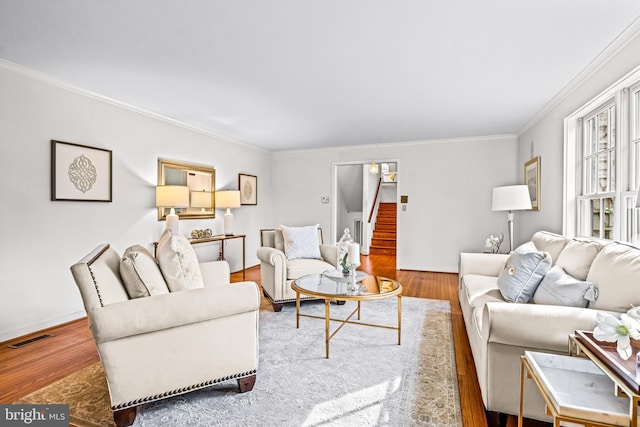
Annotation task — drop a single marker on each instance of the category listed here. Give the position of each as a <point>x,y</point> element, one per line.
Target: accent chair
<point>155,343</point>
<point>277,271</point>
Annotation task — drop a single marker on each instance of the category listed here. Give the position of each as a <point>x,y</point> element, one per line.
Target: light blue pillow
<point>559,288</point>
<point>524,270</point>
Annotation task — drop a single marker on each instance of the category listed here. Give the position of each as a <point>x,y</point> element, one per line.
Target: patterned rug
<point>369,380</point>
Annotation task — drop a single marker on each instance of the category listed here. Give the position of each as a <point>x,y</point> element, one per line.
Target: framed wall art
<point>80,173</point>
<point>248,186</point>
<point>532,179</point>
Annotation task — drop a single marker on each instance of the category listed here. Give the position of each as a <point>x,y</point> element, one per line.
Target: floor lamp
<point>511,198</point>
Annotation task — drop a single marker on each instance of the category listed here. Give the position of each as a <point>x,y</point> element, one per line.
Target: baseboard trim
<point>11,334</point>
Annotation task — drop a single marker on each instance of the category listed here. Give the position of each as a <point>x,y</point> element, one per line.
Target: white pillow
<point>178,262</point>
<point>140,273</point>
<point>301,242</point>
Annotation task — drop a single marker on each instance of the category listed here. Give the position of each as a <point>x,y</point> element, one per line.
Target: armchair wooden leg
<point>125,417</point>
<point>246,384</point>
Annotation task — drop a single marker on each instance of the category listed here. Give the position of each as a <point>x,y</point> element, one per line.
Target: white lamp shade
<point>172,196</point>
<point>201,199</point>
<point>511,198</point>
<point>227,199</point>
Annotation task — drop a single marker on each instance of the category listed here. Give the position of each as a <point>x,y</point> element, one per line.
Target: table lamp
<point>172,196</point>
<point>228,199</point>
<point>201,199</point>
<point>511,198</point>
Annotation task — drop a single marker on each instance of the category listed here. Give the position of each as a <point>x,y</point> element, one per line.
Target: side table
<point>575,390</point>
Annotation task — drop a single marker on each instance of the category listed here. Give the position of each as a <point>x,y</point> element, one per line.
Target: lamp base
<point>228,224</point>
<point>173,223</point>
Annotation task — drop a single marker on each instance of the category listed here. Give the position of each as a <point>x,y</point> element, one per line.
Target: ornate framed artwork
<point>248,186</point>
<point>532,179</point>
<point>80,173</point>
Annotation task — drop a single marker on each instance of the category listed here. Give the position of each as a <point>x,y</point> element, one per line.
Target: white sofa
<point>499,331</point>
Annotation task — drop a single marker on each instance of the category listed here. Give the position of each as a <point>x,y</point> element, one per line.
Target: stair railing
<point>375,201</point>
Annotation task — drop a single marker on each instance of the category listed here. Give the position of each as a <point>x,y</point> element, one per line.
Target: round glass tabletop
<point>324,286</point>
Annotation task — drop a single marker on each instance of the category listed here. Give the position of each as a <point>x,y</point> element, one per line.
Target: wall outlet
<point>404,208</point>
<point>324,199</point>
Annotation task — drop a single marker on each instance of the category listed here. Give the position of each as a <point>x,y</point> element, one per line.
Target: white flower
<point>612,329</point>
<point>634,312</point>
<point>494,243</point>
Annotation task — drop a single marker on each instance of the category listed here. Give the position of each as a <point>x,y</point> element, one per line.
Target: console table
<point>221,238</point>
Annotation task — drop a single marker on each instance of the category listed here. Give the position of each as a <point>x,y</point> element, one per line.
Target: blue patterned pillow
<point>301,242</point>
<point>524,270</point>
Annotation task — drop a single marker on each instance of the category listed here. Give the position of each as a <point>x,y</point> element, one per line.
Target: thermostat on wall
<point>325,199</point>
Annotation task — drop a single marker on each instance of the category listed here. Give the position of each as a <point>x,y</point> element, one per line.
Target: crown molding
<point>45,78</point>
<point>499,137</point>
<point>628,35</point>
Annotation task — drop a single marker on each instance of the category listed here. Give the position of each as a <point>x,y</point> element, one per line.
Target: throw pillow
<point>140,273</point>
<point>577,256</point>
<point>522,273</point>
<point>178,262</point>
<point>559,288</point>
<point>301,242</point>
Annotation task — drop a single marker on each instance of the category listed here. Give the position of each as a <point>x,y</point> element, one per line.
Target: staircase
<point>384,234</point>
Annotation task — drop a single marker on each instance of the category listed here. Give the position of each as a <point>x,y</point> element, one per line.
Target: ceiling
<point>295,74</point>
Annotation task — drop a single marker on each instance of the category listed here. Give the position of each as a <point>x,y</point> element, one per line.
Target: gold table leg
<point>522,369</point>
<point>399,318</point>
<point>327,316</point>
<point>297,310</point>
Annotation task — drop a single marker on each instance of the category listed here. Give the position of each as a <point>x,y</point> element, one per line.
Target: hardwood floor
<point>30,368</point>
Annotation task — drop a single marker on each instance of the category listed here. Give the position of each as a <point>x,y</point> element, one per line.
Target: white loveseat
<point>499,331</point>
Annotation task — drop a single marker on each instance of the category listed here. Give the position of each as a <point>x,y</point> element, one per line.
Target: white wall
<point>448,182</point>
<point>41,238</point>
<point>546,133</point>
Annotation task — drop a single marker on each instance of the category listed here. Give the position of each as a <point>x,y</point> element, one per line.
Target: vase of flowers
<point>619,330</point>
<point>493,243</point>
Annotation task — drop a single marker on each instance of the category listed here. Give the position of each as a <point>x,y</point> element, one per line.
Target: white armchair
<point>277,272</point>
<point>167,343</point>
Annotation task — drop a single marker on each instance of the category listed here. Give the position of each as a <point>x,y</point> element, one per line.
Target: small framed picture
<point>532,179</point>
<point>248,186</point>
<point>80,173</point>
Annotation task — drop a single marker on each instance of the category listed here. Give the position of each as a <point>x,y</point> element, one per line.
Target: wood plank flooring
<point>30,368</point>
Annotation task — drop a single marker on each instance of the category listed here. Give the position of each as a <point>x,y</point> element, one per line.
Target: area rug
<point>368,380</point>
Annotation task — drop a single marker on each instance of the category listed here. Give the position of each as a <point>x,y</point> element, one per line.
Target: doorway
<point>358,190</point>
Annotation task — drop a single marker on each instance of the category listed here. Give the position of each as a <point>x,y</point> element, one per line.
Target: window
<point>596,200</point>
<point>602,164</point>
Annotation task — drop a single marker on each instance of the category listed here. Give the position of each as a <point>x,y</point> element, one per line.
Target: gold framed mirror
<point>201,181</point>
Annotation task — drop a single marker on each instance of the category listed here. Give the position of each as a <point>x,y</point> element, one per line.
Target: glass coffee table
<point>330,287</point>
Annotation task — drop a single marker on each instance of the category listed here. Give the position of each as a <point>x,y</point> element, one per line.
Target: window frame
<point>626,218</point>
